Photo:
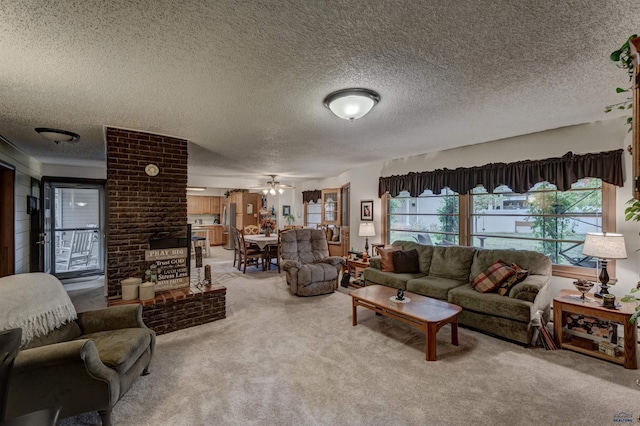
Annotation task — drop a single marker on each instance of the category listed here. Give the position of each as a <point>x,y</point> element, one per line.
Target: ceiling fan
<point>272,186</point>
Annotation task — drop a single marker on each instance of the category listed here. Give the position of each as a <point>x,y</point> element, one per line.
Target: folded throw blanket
<point>35,302</point>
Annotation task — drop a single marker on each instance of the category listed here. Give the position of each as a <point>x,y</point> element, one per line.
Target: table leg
<point>354,315</point>
<point>557,324</point>
<point>454,332</point>
<point>431,330</point>
<point>630,346</point>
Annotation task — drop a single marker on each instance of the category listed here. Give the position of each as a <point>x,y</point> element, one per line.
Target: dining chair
<point>251,230</point>
<point>272,252</point>
<point>236,246</point>
<point>248,255</point>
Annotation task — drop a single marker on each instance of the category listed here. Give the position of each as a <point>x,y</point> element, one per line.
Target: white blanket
<point>35,302</point>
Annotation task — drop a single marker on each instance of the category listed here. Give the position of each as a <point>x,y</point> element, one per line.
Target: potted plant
<point>290,219</point>
<point>624,60</point>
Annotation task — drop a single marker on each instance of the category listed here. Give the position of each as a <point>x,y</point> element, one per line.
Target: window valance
<point>311,196</point>
<point>519,176</point>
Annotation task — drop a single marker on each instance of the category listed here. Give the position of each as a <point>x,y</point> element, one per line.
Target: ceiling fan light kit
<point>57,135</point>
<point>350,104</point>
<point>272,186</point>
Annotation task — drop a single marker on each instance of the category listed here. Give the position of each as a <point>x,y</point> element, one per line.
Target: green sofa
<point>445,274</point>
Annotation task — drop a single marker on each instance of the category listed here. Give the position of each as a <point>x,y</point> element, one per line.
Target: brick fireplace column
<point>142,207</point>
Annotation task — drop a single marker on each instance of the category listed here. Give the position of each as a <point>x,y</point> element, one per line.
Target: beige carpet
<point>278,359</point>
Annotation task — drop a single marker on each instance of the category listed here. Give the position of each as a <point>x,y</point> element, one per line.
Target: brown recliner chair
<point>80,365</point>
<point>310,270</point>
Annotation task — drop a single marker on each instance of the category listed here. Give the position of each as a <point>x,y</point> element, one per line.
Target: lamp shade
<point>350,104</point>
<point>367,230</point>
<point>604,245</point>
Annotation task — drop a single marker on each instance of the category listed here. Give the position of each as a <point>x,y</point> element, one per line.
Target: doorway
<point>74,218</point>
<point>7,219</point>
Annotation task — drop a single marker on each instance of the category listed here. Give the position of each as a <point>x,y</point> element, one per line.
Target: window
<point>313,214</point>
<point>543,219</point>
<point>427,219</point>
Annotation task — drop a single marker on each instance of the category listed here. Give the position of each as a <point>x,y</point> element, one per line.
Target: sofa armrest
<point>374,262</point>
<point>529,288</point>
<point>112,318</point>
<point>334,260</point>
<point>290,264</point>
<point>81,381</point>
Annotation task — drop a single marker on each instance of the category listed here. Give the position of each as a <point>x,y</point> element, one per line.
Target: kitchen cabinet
<point>203,204</point>
<point>246,215</point>
<point>215,234</point>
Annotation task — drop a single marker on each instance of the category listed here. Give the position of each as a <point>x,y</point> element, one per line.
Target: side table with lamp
<point>604,246</point>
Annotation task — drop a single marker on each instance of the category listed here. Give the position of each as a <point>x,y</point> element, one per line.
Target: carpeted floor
<point>279,359</point>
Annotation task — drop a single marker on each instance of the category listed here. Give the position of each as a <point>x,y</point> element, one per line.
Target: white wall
<point>26,168</point>
<point>593,137</point>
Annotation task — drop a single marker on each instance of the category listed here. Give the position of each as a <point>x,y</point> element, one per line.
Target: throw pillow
<point>406,262</point>
<point>492,278</point>
<point>518,276</point>
<point>386,258</point>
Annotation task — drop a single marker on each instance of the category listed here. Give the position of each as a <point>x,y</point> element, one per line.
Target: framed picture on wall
<point>286,210</point>
<point>366,210</point>
<point>249,208</point>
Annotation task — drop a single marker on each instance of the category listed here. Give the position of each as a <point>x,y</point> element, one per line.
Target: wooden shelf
<point>594,352</point>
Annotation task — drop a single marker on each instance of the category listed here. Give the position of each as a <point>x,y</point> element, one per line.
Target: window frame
<point>565,271</point>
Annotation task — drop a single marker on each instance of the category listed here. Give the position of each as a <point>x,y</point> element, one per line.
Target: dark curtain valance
<point>309,196</point>
<point>519,176</point>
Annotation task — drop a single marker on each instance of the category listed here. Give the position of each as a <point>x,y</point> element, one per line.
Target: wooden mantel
<point>635,113</point>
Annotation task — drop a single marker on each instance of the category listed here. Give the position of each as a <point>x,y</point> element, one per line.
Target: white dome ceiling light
<point>350,104</point>
<point>56,135</point>
<point>272,186</point>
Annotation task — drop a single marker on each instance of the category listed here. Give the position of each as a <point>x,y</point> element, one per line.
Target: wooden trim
<point>634,46</point>
<point>7,219</point>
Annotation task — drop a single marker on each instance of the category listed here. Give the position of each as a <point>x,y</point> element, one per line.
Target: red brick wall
<point>141,207</point>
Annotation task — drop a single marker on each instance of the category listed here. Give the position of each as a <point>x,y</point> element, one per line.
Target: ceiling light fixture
<point>56,135</point>
<point>350,104</point>
<point>272,186</point>
<point>195,188</point>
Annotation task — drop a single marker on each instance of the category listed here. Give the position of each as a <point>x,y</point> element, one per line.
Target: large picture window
<point>543,219</point>
<point>427,219</point>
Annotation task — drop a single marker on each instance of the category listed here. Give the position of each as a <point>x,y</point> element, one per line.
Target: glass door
<point>77,219</point>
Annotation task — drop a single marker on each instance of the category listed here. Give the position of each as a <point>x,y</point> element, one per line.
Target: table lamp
<point>604,246</point>
<point>367,230</point>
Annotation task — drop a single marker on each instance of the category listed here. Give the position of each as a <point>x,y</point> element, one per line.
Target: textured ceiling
<point>244,81</point>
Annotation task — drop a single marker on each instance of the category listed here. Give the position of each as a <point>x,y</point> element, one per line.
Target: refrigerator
<point>228,222</point>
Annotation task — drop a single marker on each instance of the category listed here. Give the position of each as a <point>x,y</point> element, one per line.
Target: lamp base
<point>604,289</point>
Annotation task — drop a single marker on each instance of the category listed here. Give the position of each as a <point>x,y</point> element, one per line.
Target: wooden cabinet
<point>215,234</point>
<point>203,204</point>
<point>331,206</point>
<point>246,215</point>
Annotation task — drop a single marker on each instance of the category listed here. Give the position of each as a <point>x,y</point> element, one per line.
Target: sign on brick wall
<point>167,268</point>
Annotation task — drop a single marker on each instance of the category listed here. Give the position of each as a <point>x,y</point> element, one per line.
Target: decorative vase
<point>267,232</point>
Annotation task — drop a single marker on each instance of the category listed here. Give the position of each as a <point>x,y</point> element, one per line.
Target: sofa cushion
<point>64,333</point>
<point>518,276</point>
<point>389,279</point>
<point>120,349</point>
<point>492,277</point>
<point>490,303</point>
<point>406,261</point>
<point>424,253</point>
<point>386,258</point>
<point>336,234</point>
<point>435,287</point>
<point>535,263</point>
<point>529,288</point>
<point>453,262</point>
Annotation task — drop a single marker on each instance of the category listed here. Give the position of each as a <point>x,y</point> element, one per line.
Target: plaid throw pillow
<point>519,276</point>
<point>492,277</point>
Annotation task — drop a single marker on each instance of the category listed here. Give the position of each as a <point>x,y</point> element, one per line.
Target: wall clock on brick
<point>152,170</point>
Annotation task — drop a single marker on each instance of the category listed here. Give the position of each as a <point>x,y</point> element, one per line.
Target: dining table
<point>262,241</point>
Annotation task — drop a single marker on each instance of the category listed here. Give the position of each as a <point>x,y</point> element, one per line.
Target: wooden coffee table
<point>426,314</point>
